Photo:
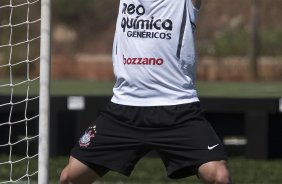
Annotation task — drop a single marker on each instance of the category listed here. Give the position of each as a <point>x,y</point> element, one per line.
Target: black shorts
<point>121,135</point>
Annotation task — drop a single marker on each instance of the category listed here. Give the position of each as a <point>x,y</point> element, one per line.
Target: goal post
<point>44,100</point>
<point>24,91</point>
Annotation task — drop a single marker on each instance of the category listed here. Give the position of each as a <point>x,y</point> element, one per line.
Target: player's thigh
<point>77,172</point>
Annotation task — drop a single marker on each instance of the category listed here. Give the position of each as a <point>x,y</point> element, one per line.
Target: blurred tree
<point>255,38</point>
<point>91,14</point>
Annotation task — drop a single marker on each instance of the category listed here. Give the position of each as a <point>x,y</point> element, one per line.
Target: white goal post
<point>44,103</point>
<point>24,91</point>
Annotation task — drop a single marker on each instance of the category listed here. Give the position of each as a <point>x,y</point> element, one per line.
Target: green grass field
<point>212,89</point>
<point>151,171</point>
<point>205,89</point>
<point>244,171</point>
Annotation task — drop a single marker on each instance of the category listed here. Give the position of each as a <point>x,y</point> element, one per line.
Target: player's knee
<point>64,177</point>
<point>222,177</point>
<point>215,173</point>
<point>219,177</point>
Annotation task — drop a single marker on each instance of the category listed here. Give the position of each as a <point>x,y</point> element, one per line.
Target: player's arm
<point>197,3</point>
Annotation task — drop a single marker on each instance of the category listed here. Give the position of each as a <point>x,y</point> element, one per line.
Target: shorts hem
<point>192,169</point>
<point>108,167</point>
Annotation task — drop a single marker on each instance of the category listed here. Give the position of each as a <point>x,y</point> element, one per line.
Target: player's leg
<point>110,143</point>
<point>77,173</point>
<point>215,172</point>
<point>191,146</point>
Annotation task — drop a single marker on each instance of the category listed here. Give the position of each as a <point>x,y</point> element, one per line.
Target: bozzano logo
<point>143,61</point>
<point>151,28</point>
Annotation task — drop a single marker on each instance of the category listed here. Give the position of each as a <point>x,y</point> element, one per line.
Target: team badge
<point>84,141</point>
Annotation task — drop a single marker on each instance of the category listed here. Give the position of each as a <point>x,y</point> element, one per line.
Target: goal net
<point>20,90</point>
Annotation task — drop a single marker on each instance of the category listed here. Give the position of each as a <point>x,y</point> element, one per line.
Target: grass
<point>81,87</point>
<point>243,171</point>
<point>150,170</point>
<point>240,89</point>
<point>205,89</point>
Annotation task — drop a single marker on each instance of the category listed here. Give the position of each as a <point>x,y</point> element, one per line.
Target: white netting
<point>19,90</point>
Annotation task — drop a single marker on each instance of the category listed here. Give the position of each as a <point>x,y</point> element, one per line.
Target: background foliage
<point>223,30</point>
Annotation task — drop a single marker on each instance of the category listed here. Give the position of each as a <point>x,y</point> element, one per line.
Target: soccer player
<point>155,104</point>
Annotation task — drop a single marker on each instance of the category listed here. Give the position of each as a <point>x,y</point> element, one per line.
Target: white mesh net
<point>19,90</point>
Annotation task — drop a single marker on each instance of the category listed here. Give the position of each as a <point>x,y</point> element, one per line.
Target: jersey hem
<point>153,102</point>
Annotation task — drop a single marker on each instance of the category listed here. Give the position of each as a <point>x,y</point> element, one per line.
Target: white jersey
<point>154,53</point>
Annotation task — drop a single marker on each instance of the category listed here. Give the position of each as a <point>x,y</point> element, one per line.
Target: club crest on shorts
<point>84,141</point>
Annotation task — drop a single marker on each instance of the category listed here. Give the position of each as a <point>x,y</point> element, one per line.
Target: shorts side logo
<point>84,141</point>
<point>212,147</point>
